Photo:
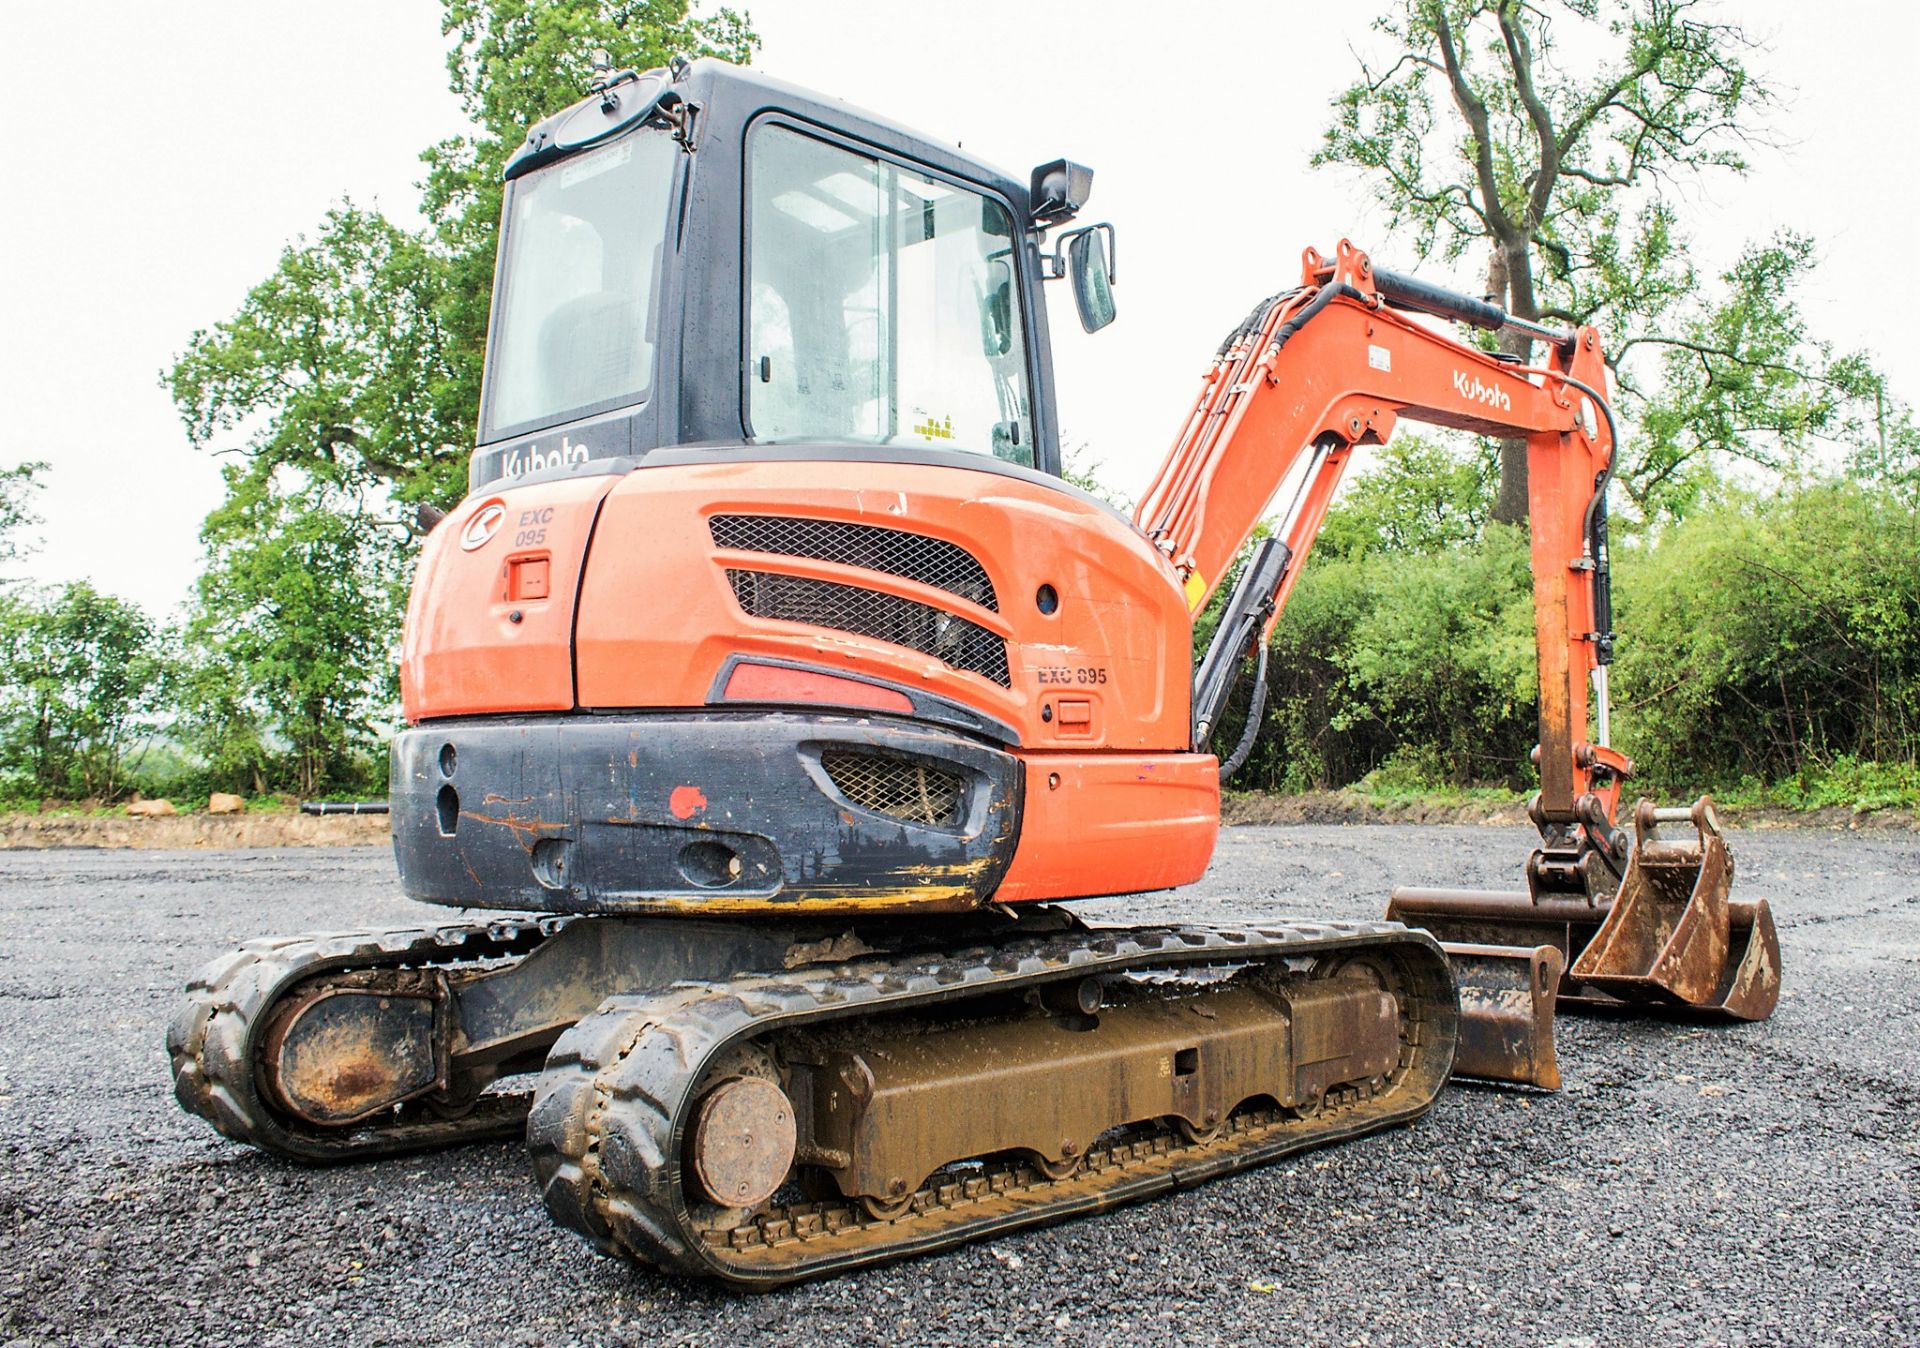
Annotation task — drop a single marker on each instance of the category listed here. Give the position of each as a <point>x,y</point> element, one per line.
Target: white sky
<point>161,156</point>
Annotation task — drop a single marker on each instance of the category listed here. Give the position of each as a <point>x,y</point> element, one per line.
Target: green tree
<point>346,388</point>
<point>1421,496</point>
<point>17,486</point>
<point>337,367</point>
<point>1883,437</point>
<point>1553,133</point>
<point>80,672</point>
<point>1739,377</point>
<point>358,360</point>
<point>292,636</point>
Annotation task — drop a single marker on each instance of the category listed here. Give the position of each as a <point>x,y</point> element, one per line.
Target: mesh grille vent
<point>893,786</point>
<point>931,561</point>
<point>947,637</point>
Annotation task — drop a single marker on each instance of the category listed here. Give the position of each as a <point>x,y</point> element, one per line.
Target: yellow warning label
<point>1195,588</point>
<point>929,429</point>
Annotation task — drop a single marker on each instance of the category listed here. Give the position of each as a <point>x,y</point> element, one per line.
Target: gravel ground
<point>1755,1184</point>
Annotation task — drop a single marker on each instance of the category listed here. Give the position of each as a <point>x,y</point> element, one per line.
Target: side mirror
<point>1091,266</point>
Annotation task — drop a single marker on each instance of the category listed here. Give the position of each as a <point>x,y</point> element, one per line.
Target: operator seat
<point>590,350</point>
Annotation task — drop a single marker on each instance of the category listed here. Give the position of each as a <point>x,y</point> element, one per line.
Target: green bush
<point>1846,783</point>
<point>81,675</point>
<point>1385,653</point>
<point>1769,650</point>
<point>1306,740</point>
<point>1773,639</point>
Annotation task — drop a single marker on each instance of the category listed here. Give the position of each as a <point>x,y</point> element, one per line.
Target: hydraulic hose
<point>1256,708</point>
<point>1254,321</point>
<point>1312,307</point>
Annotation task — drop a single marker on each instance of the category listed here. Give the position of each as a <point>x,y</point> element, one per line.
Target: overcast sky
<point>162,154</point>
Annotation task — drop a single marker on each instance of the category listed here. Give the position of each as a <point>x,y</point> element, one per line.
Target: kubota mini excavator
<point>775,679</point>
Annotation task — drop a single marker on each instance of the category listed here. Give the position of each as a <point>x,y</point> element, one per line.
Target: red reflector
<point>770,683</point>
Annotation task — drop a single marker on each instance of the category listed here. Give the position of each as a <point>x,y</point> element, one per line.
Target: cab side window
<point>881,304</point>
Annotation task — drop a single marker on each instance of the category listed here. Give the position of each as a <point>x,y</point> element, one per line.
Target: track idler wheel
<point>742,1141</point>
<point>350,1048</point>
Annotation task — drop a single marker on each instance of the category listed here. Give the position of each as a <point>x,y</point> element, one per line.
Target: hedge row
<point>1763,640</point>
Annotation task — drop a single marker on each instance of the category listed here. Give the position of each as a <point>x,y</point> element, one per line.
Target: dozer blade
<point>1506,1012</point>
<point>1670,937</point>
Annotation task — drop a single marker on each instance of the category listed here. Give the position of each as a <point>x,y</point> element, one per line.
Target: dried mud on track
<point>1754,1184</point>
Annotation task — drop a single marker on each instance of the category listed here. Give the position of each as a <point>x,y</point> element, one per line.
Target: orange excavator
<point>775,695</point>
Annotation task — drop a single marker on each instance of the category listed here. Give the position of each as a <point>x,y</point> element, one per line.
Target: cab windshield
<point>881,304</point>
<point>574,328</point>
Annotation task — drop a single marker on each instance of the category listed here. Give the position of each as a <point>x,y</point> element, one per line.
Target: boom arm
<point>1337,363</point>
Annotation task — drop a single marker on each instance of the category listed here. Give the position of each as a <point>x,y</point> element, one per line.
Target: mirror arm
<point>1054,266</point>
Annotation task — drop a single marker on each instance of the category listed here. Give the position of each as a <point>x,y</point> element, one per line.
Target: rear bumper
<point>707,812</point>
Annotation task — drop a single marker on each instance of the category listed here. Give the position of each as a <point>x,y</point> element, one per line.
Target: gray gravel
<point>1755,1184</point>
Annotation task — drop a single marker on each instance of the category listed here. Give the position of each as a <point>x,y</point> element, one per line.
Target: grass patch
<point>1846,783</point>
<point>1415,776</point>
<point>1435,794</point>
<point>187,804</point>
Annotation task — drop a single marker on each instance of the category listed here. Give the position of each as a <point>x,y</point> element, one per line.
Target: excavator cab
<point>708,257</point>
<point>886,289</point>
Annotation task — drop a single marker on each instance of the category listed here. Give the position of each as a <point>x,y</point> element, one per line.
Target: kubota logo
<point>530,459</point>
<point>1468,386</point>
<point>482,525</point>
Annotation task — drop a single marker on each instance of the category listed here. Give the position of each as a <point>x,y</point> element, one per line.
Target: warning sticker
<point>595,164</point>
<point>1379,358</point>
<point>1196,587</point>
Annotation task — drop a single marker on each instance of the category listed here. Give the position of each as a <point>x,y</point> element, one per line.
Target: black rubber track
<point>609,1117</point>
<point>211,1041</point>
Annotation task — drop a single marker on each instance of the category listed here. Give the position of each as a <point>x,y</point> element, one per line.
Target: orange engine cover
<point>666,601</point>
<point>1011,609</point>
<point>490,620</point>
